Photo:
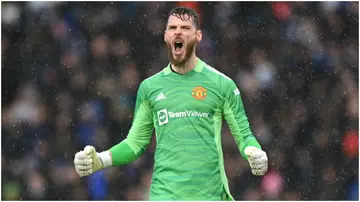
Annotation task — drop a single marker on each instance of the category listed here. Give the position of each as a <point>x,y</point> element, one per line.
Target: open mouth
<point>178,46</point>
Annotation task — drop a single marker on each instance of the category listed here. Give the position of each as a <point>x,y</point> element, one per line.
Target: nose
<point>178,31</point>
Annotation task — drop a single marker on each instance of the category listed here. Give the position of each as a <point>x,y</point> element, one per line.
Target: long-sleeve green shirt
<point>186,112</point>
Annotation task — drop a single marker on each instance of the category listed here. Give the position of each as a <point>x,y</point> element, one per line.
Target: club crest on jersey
<point>199,93</point>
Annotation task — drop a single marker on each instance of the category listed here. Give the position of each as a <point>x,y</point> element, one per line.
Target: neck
<point>187,66</point>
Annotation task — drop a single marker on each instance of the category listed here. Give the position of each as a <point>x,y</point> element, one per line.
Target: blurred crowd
<point>70,72</point>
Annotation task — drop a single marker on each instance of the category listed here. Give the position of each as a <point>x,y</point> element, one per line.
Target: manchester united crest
<point>199,93</point>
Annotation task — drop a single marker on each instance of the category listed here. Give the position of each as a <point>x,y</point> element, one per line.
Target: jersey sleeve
<point>140,132</point>
<point>236,118</point>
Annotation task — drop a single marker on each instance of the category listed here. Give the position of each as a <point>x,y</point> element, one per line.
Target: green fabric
<point>249,142</point>
<point>139,135</point>
<point>122,154</point>
<point>186,112</point>
<point>217,129</point>
<point>237,120</point>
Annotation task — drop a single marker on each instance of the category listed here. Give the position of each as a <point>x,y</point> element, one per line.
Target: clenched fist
<point>87,161</point>
<point>257,159</point>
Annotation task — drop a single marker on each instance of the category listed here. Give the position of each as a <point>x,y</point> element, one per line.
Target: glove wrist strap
<point>105,159</point>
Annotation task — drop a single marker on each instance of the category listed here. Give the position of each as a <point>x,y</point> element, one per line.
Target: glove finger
<point>83,167</point>
<point>84,161</point>
<point>88,150</point>
<point>256,163</point>
<point>257,154</point>
<point>258,172</point>
<point>259,165</point>
<point>263,158</point>
<point>84,173</point>
<point>80,155</point>
<point>262,166</point>
<point>262,171</point>
<point>78,160</point>
<point>262,162</point>
<point>80,168</point>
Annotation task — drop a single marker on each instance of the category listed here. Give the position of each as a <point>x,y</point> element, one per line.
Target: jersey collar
<point>198,68</point>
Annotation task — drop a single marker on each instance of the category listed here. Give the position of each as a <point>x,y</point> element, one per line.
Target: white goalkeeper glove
<point>89,161</point>
<point>257,159</point>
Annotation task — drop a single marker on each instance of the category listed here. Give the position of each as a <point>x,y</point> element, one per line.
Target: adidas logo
<point>161,96</point>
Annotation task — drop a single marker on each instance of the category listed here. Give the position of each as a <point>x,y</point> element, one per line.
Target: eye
<point>172,27</point>
<point>185,27</point>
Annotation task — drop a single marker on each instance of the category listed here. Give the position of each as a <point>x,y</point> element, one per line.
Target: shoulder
<point>224,82</point>
<point>152,79</point>
<point>217,76</point>
<point>155,77</point>
<point>150,84</point>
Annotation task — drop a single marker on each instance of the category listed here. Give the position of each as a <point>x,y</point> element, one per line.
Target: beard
<point>189,49</point>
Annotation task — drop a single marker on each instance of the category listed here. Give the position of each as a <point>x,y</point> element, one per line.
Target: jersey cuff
<point>249,142</point>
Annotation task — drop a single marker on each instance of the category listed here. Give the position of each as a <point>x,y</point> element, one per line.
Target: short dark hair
<point>181,11</point>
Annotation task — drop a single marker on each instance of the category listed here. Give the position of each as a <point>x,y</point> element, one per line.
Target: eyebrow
<point>182,26</point>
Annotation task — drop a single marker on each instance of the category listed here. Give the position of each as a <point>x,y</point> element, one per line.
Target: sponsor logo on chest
<point>164,115</point>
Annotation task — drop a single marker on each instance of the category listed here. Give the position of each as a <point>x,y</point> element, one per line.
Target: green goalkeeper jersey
<point>187,112</point>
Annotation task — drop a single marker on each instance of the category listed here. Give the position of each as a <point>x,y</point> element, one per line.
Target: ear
<point>165,36</point>
<point>198,35</point>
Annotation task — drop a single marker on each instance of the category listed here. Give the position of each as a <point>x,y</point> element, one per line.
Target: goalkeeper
<point>185,103</point>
